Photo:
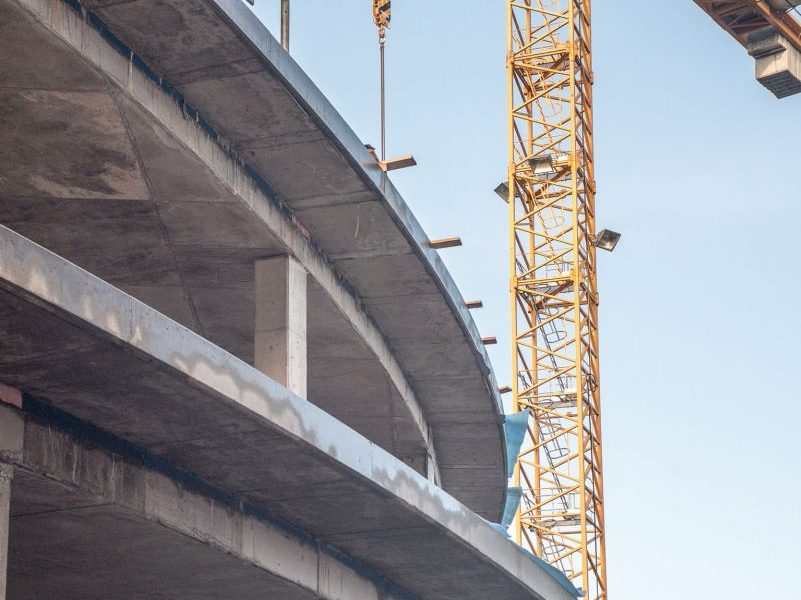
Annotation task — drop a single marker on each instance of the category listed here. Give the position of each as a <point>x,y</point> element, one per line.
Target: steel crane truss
<point>554,293</point>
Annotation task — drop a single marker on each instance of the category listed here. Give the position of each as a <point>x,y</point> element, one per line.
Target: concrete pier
<point>281,305</point>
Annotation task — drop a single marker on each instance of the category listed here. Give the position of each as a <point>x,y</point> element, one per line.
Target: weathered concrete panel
<point>56,70</point>
<point>102,166</point>
<point>92,491</point>
<point>202,46</point>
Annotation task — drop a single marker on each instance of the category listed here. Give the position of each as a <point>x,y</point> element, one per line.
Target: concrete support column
<point>280,343</point>
<point>6,473</point>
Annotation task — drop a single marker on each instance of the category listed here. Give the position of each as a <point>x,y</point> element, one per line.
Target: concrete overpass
<point>233,365</point>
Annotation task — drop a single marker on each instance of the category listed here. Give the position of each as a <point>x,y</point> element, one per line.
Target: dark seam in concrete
<point>162,228</point>
<point>57,510</point>
<point>249,144</point>
<point>82,430</point>
<point>343,256</point>
<point>61,89</point>
<point>55,199</point>
<point>252,144</point>
<point>217,66</point>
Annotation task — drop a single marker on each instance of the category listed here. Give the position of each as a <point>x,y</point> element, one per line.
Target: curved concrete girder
<point>365,502</point>
<point>134,85</point>
<point>228,58</point>
<point>70,489</point>
<point>363,161</point>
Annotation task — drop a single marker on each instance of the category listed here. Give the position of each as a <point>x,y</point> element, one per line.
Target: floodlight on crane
<point>554,310</point>
<point>502,189</point>
<point>606,239</point>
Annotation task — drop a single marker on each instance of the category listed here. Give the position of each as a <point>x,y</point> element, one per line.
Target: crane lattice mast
<point>554,293</point>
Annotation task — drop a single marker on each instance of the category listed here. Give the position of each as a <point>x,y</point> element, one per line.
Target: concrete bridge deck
<point>167,145</point>
<point>153,456</point>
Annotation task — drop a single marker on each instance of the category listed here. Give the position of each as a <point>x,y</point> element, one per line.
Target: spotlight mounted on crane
<point>542,164</point>
<point>503,191</point>
<point>606,239</point>
<point>546,164</point>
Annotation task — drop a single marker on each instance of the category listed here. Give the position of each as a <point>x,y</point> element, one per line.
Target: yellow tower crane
<point>551,198</point>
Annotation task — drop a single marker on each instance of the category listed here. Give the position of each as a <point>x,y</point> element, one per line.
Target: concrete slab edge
<point>110,471</point>
<point>30,271</point>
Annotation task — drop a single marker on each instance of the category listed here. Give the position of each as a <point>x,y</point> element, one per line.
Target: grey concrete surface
<point>6,473</point>
<point>280,349</point>
<point>107,168</point>
<point>197,265</point>
<point>90,523</point>
<point>94,352</point>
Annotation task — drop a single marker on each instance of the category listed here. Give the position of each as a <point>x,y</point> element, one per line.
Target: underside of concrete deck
<point>143,453</point>
<point>167,145</point>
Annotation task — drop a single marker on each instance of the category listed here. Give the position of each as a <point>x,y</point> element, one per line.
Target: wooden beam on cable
<point>401,162</point>
<point>451,242</point>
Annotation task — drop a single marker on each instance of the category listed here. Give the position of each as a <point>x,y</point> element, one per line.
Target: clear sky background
<point>698,166</point>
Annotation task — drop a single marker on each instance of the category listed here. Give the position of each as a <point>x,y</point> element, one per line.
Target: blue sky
<point>698,167</point>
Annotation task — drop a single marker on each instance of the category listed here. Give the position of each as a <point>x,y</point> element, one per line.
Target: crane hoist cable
<point>382,14</point>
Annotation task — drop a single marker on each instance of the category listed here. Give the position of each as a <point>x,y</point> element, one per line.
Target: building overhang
<point>125,390</point>
<point>268,167</point>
